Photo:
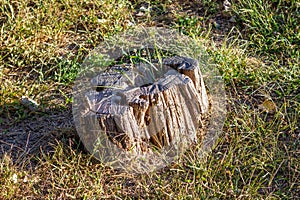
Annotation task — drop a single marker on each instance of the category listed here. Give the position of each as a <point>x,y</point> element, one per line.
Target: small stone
<point>14,178</point>
<point>25,180</point>
<point>227,5</point>
<point>102,21</point>
<point>129,23</point>
<point>139,14</point>
<point>29,103</point>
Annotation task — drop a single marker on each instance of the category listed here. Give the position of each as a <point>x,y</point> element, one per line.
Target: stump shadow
<point>39,133</point>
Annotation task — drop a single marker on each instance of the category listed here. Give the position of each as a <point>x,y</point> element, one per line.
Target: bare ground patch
<point>39,133</point>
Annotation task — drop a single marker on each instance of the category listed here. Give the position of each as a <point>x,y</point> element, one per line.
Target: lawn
<point>254,44</point>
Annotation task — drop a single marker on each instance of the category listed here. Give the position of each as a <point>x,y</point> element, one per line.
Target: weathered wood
<point>150,105</point>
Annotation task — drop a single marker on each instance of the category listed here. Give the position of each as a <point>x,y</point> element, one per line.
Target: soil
<point>39,133</point>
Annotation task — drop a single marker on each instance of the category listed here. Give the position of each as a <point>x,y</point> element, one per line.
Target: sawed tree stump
<point>148,106</point>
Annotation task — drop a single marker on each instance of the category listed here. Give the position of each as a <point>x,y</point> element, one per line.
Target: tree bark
<point>150,105</point>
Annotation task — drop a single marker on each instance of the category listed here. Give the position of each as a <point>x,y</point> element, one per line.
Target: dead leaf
<point>268,106</point>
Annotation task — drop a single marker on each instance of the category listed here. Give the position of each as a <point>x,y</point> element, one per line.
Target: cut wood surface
<point>149,105</point>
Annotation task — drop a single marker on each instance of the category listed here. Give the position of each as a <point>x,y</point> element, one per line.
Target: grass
<point>272,27</point>
<point>43,43</point>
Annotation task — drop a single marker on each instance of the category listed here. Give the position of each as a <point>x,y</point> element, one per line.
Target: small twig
<point>273,176</point>
<point>27,140</point>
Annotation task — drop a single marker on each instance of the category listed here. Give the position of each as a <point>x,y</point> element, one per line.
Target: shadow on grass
<point>39,133</point>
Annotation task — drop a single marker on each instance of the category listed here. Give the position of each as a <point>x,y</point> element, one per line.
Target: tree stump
<point>149,105</point>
